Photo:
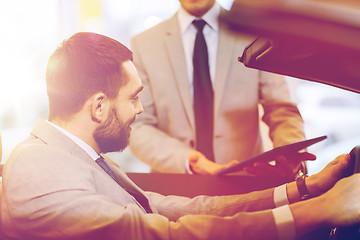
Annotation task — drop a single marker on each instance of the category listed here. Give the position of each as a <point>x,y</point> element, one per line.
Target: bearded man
<point>57,185</point>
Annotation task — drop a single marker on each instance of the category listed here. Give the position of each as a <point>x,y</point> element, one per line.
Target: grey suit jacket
<point>165,133</point>
<point>53,190</point>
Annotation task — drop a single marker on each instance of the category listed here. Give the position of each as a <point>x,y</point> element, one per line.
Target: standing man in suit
<point>57,184</point>
<point>166,135</point>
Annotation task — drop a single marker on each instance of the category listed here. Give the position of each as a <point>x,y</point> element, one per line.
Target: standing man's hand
<point>199,164</point>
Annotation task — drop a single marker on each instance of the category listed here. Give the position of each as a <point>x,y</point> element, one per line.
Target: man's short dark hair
<point>81,66</point>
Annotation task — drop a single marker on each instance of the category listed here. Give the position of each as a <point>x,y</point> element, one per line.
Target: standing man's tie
<point>203,94</point>
<point>142,200</point>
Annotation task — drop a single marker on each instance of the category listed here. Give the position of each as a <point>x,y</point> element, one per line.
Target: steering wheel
<point>351,232</point>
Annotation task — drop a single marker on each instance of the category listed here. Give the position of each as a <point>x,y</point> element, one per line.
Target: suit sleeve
<point>174,207</point>
<point>280,113</point>
<point>62,203</point>
<point>147,142</point>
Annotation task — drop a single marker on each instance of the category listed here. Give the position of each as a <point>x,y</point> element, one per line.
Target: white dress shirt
<point>211,35</point>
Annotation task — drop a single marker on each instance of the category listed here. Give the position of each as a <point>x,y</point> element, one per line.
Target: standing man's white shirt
<point>188,35</point>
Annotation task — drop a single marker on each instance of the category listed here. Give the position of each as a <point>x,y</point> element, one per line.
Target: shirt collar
<point>89,150</point>
<point>211,18</point>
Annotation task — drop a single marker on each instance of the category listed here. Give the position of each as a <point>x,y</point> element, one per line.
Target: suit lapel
<point>226,45</point>
<point>126,183</point>
<point>174,48</point>
<point>54,137</point>
<point>51,136</point>
<point>120,175</point>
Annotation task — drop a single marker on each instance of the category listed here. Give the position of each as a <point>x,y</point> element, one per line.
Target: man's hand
<point>283,167</point>
<point>199,164</point>
<point>340,206</point>
<point>342,202</point>
<point>326,178</point>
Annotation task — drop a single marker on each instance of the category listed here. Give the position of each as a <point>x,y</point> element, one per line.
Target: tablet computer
<point>271,155</point>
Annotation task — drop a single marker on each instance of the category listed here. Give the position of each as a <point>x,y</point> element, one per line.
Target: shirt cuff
<point>187,167</point>
<point>280,196</point>
<point>285,224</point>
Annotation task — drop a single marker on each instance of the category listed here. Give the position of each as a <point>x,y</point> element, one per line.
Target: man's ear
<point>99,107</point>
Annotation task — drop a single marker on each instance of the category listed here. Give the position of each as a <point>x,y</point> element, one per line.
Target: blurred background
<point>31,30</point>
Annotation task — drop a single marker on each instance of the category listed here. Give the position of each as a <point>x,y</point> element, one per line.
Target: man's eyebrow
<point>139,90</point>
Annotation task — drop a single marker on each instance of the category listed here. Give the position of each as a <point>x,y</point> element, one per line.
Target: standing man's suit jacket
<point>165,133</point>
<point>52,189</point>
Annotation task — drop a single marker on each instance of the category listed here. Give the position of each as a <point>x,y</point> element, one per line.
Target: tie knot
<point>101,162</point>
<point>100,159</point>
<point>199,24</point>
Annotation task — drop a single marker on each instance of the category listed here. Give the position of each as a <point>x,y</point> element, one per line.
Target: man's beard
<point>112,135</point>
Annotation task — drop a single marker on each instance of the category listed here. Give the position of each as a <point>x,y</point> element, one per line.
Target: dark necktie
<point>203,94</point>
<point>138,196</point>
